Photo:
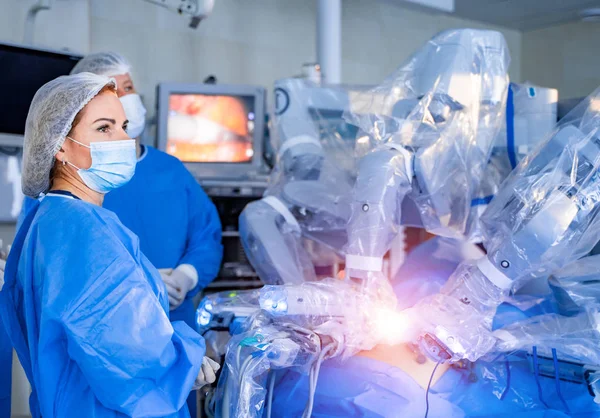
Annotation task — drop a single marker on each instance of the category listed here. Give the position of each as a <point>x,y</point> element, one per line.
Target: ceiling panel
<point>523,14</point>
<point>520,14</point>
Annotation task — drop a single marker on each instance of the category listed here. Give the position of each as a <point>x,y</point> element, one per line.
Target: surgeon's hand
<point>207,374</point>
<point>179,282</point>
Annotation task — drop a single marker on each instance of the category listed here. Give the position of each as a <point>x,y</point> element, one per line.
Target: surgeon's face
<point>124,85</point>
<point>102,119</point>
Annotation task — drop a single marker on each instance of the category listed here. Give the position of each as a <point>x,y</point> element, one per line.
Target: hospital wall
<point>564,57</point>
<point>260,41</point>
<point>66,26</point>
<point>243,41</point>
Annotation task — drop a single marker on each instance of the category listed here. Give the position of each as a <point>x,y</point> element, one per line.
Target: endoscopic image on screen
<point>210,129</point>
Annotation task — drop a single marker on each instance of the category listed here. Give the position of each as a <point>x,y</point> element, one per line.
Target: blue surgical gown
<point>368,388</point>
<point>6,372</point>
<point>176,221</point>
<point>89,317</point>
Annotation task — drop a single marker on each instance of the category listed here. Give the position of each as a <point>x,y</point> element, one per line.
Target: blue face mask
<point>113,164</point>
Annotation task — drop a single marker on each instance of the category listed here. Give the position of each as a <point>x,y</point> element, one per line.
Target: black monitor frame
<point>16,139</point>
<point>216,170</point>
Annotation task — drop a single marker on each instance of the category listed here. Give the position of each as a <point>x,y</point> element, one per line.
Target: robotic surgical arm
<point>545,216</point>
<point>308,195</point>
<point>574,333</point>
<point>431,137</point>
<point>432,125</point>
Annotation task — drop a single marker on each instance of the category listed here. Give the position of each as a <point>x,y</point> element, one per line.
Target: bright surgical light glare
<point>392,327</point>
<point>208,306</point>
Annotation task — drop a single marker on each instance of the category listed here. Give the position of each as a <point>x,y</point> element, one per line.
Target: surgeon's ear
<point>60,156</point>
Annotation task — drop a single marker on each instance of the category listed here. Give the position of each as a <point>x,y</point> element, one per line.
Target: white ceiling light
<point>443,5</point>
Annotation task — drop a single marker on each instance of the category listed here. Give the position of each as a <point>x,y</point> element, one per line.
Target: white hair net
<point>108,64</point>
<point>50,118</point>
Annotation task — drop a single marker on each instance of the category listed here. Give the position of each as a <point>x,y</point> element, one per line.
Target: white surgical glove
<point>207,374</point>
<point>2,267</point>
<point>179,282</point>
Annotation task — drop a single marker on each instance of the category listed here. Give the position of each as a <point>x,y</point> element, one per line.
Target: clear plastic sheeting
<point>576,338</point>
<point>298,327</point>
<point>309,134</point>
<point>309,188</point>
<point>353,318</point>
<point>222,309</point>
<point>577,286</point>
<point>315,169</point>
<point>543,218</point>
<point>531,115</point>
<point>430,128</point>
<point>272,240</point>
<point>251,358</point>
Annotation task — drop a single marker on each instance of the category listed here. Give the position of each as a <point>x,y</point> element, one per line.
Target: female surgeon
<point>85,310</point>
<point>177,223</point>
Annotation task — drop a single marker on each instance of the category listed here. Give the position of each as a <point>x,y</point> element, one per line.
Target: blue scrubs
<point>89,317</point>
<point>5,372</point>
<point>176,221</point>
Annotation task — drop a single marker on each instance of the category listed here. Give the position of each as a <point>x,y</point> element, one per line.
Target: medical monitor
<point>216,130</point>
<point>23,70</point>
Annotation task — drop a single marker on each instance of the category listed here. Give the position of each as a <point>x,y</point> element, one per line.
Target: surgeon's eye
<point>104,129</point>
<point>125,126</point>
<point>128,88</point>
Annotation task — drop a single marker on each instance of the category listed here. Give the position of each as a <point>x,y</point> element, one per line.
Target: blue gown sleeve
<point>203,250</point>
<point>6,375</point>
<point>28,203</point>
<point>119,335</point>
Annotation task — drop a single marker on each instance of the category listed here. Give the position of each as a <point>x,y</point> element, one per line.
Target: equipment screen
<point>22,72</point>
<point>211,128</point>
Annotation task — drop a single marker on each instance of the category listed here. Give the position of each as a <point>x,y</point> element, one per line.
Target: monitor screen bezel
<point>16,140</point>
<point>227,170</point>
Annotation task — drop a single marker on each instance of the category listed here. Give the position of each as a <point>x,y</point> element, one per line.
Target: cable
<point>536,371</point>
<point>313,379</point>
<point>225,404</point>
<point>209,404</point>
<point>429,387</point>
<point>557,379</point>
<point>237,357</point>
<point>507,381</point>
<point>270,393</point>
<point>242,370</point>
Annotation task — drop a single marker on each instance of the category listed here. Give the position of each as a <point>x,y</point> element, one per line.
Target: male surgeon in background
<point>177,223</point>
